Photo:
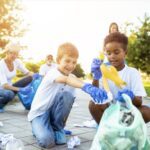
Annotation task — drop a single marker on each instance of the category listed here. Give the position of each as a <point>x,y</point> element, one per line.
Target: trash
<point>121,128</point>
<point>1,124</point>
<point>88,124</point>
<point>8,142</point>
<point>74,141</point>
<point>15,144</point>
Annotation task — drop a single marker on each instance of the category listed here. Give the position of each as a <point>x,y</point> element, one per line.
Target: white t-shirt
<point>46,93</point>
<point>133,82</point>
<point>45,68</point>
<point>6,75</point>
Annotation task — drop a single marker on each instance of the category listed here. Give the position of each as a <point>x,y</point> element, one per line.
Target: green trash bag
<point>121,128</point>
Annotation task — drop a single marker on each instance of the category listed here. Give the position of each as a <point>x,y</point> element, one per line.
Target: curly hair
<point>117,37</point>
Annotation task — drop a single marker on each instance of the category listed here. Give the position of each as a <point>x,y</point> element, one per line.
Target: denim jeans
<point>8,95</point>
<point>44,126</point>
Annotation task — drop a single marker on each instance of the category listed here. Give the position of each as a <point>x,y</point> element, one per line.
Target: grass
<point>147,87</point>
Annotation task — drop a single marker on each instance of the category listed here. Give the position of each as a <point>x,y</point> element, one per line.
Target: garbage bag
<point>121,128</point>
<point>27,99</point>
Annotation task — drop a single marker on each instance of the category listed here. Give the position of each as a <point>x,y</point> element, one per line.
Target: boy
<point>47,66</point>
<point>54,98</point>
<point>115,45</point>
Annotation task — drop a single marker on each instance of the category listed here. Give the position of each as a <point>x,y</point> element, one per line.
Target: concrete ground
<point>14,121</point>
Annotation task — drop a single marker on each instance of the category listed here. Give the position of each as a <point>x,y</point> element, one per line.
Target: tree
<point>78,71</point>
<point>139,46</point>
<point>10,21</point>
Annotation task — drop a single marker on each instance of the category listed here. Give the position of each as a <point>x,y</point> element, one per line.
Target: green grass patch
<point>147,87</point>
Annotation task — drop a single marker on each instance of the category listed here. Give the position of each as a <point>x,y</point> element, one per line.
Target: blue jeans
<point>44,126</point>
<point>8,95</point>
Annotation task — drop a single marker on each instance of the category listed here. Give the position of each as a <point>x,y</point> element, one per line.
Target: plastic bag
<point>8,142</point>
<point>120,128</point>
<point>27,99</point>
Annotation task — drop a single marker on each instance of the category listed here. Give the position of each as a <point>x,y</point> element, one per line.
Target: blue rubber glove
<point>25,90</point>
<point>95,69</point>
<point>99,95</point>
<point>36,76</point>
<point>124,91</point>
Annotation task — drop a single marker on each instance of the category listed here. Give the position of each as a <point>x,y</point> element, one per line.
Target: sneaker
<point>60,137</point>
<point>2,110</point>
<point>67,132</point>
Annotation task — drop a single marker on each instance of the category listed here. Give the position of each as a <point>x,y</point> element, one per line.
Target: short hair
<point>113,23</point>
<point>12,47</point>
<point>49,56</point>
<point>67,49</point>
<point>117,37</point>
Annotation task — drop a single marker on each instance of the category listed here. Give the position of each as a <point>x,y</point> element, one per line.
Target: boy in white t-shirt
<point>54,98</point>
<point>47,66</point>
<point>115,48</point>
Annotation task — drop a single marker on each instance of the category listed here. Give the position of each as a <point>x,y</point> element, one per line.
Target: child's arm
<point>69,80</point>
<point>99,95</point>
<point>137,101</point>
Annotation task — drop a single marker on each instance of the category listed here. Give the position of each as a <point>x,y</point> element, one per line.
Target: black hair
<point>117,37</point>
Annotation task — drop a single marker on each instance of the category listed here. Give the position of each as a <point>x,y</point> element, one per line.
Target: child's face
<point>67,64</point>
<point>115,54</point>
<point>113,28</point>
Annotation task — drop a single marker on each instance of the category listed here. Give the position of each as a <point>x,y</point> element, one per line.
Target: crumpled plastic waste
<point>126,118</point>
<point>88,124</point>
<point>8,142</point>
<point>74,141</point>
<point>1,124</point>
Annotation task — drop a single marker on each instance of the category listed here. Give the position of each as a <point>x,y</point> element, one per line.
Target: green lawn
<point>147,87</point>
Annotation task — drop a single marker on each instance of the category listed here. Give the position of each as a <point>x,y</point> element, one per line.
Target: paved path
<point>15,121</point>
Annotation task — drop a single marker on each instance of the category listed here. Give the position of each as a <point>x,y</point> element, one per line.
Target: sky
<point>84,23</point>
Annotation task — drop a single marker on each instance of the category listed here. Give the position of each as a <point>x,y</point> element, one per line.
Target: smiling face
<point>67,64</point>
<point>115,54</point>
<point>12,55</point>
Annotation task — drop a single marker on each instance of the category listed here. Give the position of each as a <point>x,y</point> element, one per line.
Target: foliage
<point>147,87</point>
<point>78,71</point>
<point>10,21</point>
<point>139,46</point>
<point>33,67</point>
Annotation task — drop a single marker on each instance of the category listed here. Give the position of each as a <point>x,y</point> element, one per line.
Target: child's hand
<point>124,91</point>
<point>99,95</point>
<point>95,69</point>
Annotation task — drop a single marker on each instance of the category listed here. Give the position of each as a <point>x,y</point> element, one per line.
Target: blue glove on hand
<point>99,95</point>
<point>124,91</point>
<point>36,76</point>
<point>95,69</point>
<point>25,90</point>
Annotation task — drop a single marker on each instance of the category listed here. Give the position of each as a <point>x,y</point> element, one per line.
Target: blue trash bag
<point>121,128</point>
<point>27,99</point>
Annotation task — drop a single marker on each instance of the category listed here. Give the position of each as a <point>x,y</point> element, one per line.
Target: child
<point>115,45</point>
<point>54,98</point>
<point>113,28</point>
